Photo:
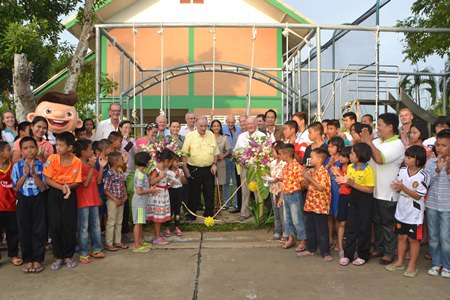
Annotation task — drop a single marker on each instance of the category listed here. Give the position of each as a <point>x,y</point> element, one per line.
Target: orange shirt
<point>292,177</point>
<point>316,201</point>
<point>63,174</point>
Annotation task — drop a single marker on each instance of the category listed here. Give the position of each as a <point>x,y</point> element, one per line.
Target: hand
<point>335,171</point>
<point>153,190</point>
<point>102,161</point>
<point>66,191</point>
<point>91,161</point>
<point>32,170</point>
<point>26,169</point>
<point>220,157</point>
<point>397,185</point>
<point>342,179</point>
<point>280,203</point>
<point>163,174</point>
<point>118,202</point>
<point>214,169</point>
<point>366,137</point>
<point>306,174</point>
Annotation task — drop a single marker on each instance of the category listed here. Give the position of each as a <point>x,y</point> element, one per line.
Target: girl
<point>224,149</point>
<point>344,195</point>
<point>177,179</point>
<point>159,204</point>
<point>89,125</point>
<point>9,127</point>
<point>418,133</point>
<point>175,133</point>
<point>361,178</point>
<point>335,146</point>
<point>411,183</point>
<point>275,188</point>
<point>150,133</point>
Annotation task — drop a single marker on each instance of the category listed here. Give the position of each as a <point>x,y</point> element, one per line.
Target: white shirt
<point>408,210</point>
<point>103,129</point>
<point>303,137</point>
<point>393,153</point>
<point>242,141</point>
<point>429,143</point>
<point>185,130</point>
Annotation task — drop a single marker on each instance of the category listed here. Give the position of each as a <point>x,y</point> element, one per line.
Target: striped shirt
<point>438,197</point>
<point>29,187</point>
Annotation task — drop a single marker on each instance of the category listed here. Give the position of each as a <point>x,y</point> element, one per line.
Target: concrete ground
<point>219,265</point>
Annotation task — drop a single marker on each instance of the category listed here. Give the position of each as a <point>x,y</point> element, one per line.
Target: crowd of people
<point>356,191</point>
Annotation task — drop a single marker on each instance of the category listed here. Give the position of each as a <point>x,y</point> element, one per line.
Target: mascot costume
<point>59,110</point>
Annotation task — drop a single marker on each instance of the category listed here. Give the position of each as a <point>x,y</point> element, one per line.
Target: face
<point>353,157</point>
<point>114,112</point>
<point>26,132</point>
<point>81,135</point>
<point>175,164</point>
<point>443,147</point>
<point>29,150</point>
<point>288,132</point>
<point>60,117</point>
<point>107,150</point>
<point>325,128</point>
<point>366,120</point>
<point>409,161</point>
<point>384,130</point>
<point>440,127</point>
<point>190,119</point>
<point>175,128</point>
<point>161,122</point>
<point>6,153</point>
<point>300,122</point>
<point>356,137</point>
<point>332,131</point>
<point>118,162</point>
<point>313,134</point>
<point>215,127</point>
<point>414,135</point>
<point>283,155</point>
<point>231,121</point>
<point>348,122</point>
<point>332,149</point>
<point>275,154</point>
<point>315,160</point>
<point>261,124</point>
<point>125,130</point>
<point>406,117</point>
<point>343,159</point>
<point>251,124</point>
<point>202,125</point>
<point>62,148</point>
<point>117,144</point>
<point>9,119</point>
<point>88,152</point>
<point>167,163</point>
<point>39,129</point>
<point>243,123</point>
<point>89,125</point>
<point>270,118</point>
<point>153,132</point>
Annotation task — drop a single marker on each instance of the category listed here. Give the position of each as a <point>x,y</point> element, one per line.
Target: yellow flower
<point>209,222</point>
<point>253,186</point>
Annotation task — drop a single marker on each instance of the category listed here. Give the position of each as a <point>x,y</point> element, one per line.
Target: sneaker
<point>445,273</point>
<point>167,232</point>
<point>178,231</point>
<point>434,271</point>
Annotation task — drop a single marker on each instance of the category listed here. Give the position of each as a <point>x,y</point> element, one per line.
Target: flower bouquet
<point>158,144</point>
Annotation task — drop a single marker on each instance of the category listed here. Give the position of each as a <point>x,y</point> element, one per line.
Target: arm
<point>399,186</point>
<point>140,191</point>
<point>89,177</point>
<point>361,188</point>
<point>54,184</point>
<point>366,137</point>
<point>19,183</point>
<point>155,178</point>
<point>41,185</point>
<point>16,157</point>
<point>112,197</point>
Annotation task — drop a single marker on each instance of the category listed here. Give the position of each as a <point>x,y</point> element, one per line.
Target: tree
<point>427,14</point>
<point>415,85</point>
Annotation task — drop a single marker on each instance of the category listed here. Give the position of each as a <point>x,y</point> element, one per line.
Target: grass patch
<point>200,227</point>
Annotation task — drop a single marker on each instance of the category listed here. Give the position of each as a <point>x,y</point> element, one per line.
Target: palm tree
<point>413,85</point>
<point>447,79</point>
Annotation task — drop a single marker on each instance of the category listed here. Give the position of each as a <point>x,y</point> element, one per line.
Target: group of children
<point>332,191</point>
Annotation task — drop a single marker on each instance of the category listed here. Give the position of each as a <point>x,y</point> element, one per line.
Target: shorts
<point>139,215</point>
<point>342,208</point>
<point>413,231</point>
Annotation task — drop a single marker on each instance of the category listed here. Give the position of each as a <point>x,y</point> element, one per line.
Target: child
<point>316,136</point>
<point>63,174</point>
<point>104,149</point>
<point>317,206</point>
<point>159,204</point>
<point>438,206</point>
<point>275,188</point>
<point>177,179</point>
<point>8,204</point>
<point>418,133</point>
<point>361,178</point>
<point>290,137</point>
<point>29,184</point>
<point>89,201</point>
<point>344,195</point>
<point>334,128</point>
<point>80,133</point>
<point>411,183</point>
<point>115,191</point>
<point>140,199</point>
<point>23,130</point>
<point>291,177</point>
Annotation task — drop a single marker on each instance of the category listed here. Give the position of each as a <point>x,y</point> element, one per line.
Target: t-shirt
<point>393,153</point>
<point>141,180</point>
<point>88,196</point>
<point>306,158</point>
<point>344,189</point>
<point>29,187</point>
<point>63,174</point>
<point>174,181</point>
<point>7,194</point>
<point>438,197</point>
<point>101,188</point>
<point>292,177</point>
<point>408,210</point>
<point>115,184</point>
<point>319,201</point>
<point>365,176</point>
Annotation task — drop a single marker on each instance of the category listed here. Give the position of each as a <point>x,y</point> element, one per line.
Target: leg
<point>111,221</point>
<point>445,238</point>
<point>194,191</point>
<point>378,230</point>
<point>208,192</point>
<point>137,231</point>
<point>245,206</point>
<point>39,227</point>
<point>83,235</point>
<point>289,229</point>
<point>12,235</point>
<point>321,224</point>
<point>227,187</point>
<point>387,212</point>
<point>126,218</point>
<point>55,217</point>
<point>118,225</point>
<point>70,210</point>
<point>414,250</point>
<point>24,222</point>
<point>340,234</point>
<point>365,203</point>
<point>94,223</point>
<point>276,216</point>
<point>311,234</point>
<point>352,229</point>
<point>239,193</point>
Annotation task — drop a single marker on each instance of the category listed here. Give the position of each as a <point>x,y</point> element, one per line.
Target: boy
<point>290,137</point>
<point>438,206</point>
<point>116,194</point>
<point>315,131</point>
<point>292,179</point>
<point>103,150</point>
<point>8,204</point>
<point>29,184</point>
<point>80,133</point>
<point>317,206</point>
<point>334,128</point>
<point>63,174</point>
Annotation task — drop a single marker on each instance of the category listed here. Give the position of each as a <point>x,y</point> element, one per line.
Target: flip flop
<point>141,249</point>
<point>304,254</point>
<point>98,254</point>
<point>38,269</point>
<point>16,261</point>
<point>288,246</point>
<point>391,268</point>
<point>70,263</point>
<point>358,262</point>
<point>121,246</point>
<point>411,275</point>
<point>28,268</point>
<point>57,265</point>
<point>300,248</point>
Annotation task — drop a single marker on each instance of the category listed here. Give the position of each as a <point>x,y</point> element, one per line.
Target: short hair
<point>326,121</point>
<point>114,135</point>
<point>322,153</point>
<point>335,123</point>
<point>125,122</point>
<point>338,142</point>
<point>114,156</point>
<point>95,145</point>
<point>302,116</point>
<point>359,126</point>
<point>390,119</point>
<point>66,137</point>
<point>23,126</point>
<point>419,153</point>
<point>363,152</point>
<point>114,103</point>
<point>27,139</point>
<point>3,145</point>
<point>141,159</point>
<point>261,116</point>
<point>165,154</point>
<point>103,144</point>
<point>422,127</point>
<point>351,115</point>
<point>270,111</point>
<point>317,126</point>
<point>292,124</point>
<point>60,98</point>
<point>443,134</point>
<point>277,144</point>
<point>288,149</point>
<point>346,152</point>
<point>220,124</point>
<point>79,130</point>
<point>406,108</point>
<point>87,120</point>
<point>441,120</point>
<point>81,145</point>
<point>368,116</point>
<point>174,121</point>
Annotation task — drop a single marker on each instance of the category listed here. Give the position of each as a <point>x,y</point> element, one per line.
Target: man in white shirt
<point>161,121</point>
<point>190,124</point>
<point>105,127</point>
<point>349,118</point>
<point>241,145</point>
<point>406,118</point>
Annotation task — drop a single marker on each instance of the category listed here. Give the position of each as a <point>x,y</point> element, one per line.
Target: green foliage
<point>416,85</point>
<point>427,14</point>
<point>254,174</point>
<point>261,219</point>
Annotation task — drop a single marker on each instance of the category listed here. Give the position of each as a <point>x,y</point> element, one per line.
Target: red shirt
<point>88,196</point>
<point>7,194</point>
<point>344,190</point>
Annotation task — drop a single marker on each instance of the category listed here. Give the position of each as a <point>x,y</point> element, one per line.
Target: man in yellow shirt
<point>200,166</point>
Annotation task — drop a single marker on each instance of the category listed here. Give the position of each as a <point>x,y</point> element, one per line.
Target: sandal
<point>288,245</point>
<point>141,249</point>
<point>37,267</point>
<point>98,254</point>
<point>328,258</point>
<point>306,254</point>
<point>111,248</point>
<point>57,265</point>
<point>70,263</point>
<point>344,261</point>
<point>160,241</point>
<point>300,248</point>
<point>28,268</point>
<point>85,259</point>
<point>411,275</point>
<point>358,262</point>
<point>121,246</point>
<point>16,261</point>
<point>178,231</point>
<point>392,268</point>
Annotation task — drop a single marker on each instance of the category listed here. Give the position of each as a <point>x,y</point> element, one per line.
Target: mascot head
<point>59,110</point>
